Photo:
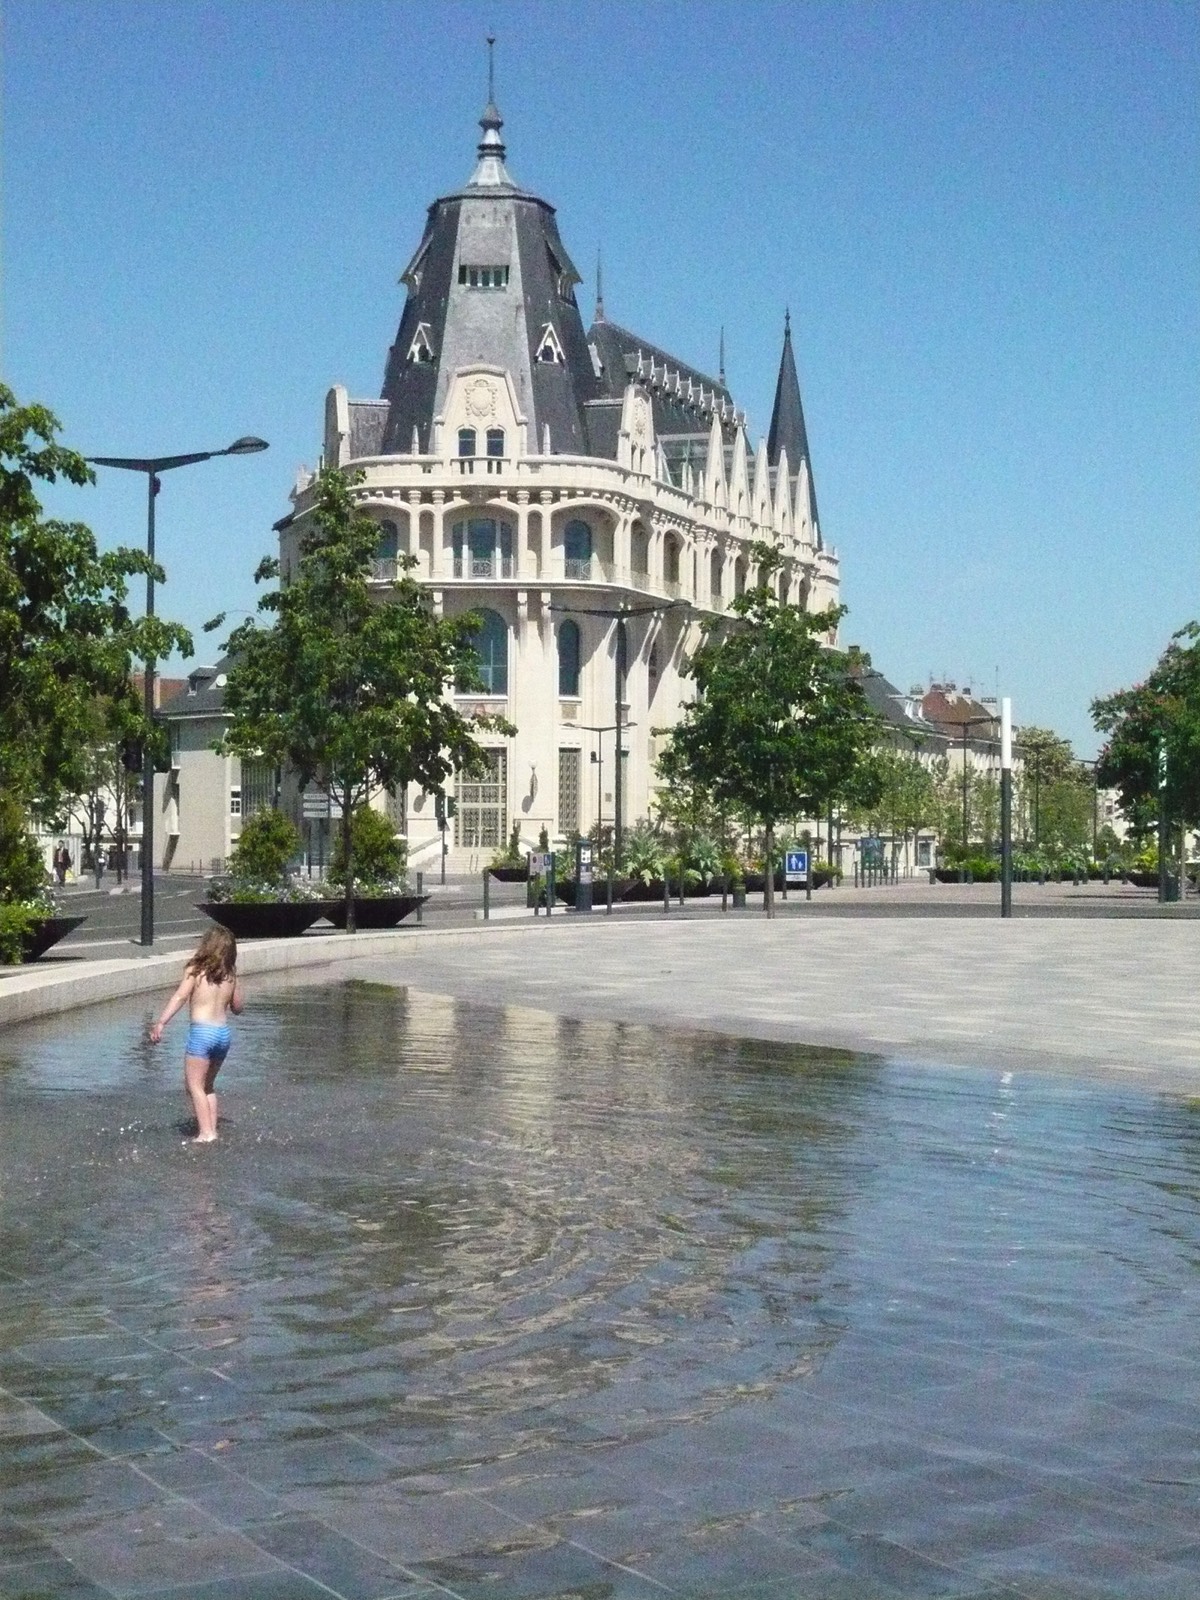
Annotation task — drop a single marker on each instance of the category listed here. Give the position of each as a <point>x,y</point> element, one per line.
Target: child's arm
<point>237,1000</point>
<point>187,984</point>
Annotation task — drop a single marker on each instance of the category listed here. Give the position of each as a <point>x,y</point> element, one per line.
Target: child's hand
<point>156,1033</point>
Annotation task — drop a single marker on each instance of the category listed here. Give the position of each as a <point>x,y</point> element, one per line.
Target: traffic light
<point>131,754</point>
<point>451,806</point>
<point>439,809</point>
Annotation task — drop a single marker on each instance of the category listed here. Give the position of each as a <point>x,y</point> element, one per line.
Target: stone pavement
<point>1096,996</point>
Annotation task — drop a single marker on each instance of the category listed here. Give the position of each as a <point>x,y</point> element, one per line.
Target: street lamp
<point>152,466</point>
<point>598,762</point>
<point>621,664</point>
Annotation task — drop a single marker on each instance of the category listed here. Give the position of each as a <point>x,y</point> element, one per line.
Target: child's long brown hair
<point>216,956</point>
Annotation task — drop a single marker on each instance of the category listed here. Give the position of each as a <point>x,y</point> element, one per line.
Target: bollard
<point>487,904</point>
<point>681,883</point>
<point>666,890</point>
<point>724,891</point>
<point>550,885</point>
<point>610,888</point>
<point>420,898</point>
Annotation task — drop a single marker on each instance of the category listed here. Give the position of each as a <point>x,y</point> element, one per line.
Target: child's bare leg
<point>210,1094</point>
<point>196,1078</point>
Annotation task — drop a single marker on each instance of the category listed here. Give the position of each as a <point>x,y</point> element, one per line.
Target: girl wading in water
<point>211,987</point>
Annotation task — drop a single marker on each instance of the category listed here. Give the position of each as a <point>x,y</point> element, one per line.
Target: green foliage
<point>646,853</point>
<point>22,872</point>
<point>380,859</point>
<point>66,633</point>
<point>1157,719</point>
<point>512,857</point>
<point>267,843</point>
<point>348,687</point>
<point>16,923</point>
<point>779,727</point>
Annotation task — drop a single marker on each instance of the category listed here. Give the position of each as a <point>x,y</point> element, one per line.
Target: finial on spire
<point>787,322</point>
<point>490,171</point>
<point>599,317</point>
<point>721,360</point>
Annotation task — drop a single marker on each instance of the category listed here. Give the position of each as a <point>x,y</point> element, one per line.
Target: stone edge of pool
<point>28,993</point>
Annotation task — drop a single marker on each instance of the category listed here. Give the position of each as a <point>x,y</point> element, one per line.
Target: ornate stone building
<point>592,496</point>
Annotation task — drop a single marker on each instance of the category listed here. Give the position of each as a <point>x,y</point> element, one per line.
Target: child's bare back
<point>210,989</point>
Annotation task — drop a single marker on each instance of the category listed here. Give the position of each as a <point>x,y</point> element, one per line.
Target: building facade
<point>594,498</point>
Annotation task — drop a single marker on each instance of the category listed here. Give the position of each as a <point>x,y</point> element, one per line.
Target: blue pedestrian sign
<point>795,866</point>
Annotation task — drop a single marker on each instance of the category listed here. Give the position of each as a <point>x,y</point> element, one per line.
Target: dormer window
<point>549,347</point>
<point>483,277</point>
<point>421,348</point>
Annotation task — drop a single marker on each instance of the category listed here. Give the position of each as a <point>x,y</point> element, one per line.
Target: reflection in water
<point>473,1230</point>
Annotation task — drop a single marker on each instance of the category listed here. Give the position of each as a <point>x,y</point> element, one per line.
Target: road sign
<point>316,805</point>
<point>795,866</point>
<point>539,863</point>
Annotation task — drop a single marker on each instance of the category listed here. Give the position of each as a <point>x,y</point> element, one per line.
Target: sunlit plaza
<point>554,1261</point>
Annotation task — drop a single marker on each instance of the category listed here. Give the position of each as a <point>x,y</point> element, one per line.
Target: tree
<point>1055,795</point>
<point>347,688</point>
<point>1152,752</point>
<point>66,634</point>
<point>779,727</point>
<point>901,798</point>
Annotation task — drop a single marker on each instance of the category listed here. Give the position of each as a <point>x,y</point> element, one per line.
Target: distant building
<point>548,476</point>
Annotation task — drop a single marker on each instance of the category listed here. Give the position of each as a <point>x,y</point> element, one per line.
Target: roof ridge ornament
<point>490,172</point>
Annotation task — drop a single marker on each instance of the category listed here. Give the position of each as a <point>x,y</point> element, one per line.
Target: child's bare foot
<point>205,1138</point>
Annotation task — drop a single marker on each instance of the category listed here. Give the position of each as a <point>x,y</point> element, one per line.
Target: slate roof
<point>617,350</point>
<point>888,702</point>
<point>491,223</point>
<point>787,418</point>
<point>202,694</point>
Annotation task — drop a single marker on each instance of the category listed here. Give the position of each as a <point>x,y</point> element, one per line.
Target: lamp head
<point>247,445</point>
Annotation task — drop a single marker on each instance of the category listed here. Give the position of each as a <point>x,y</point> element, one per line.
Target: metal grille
<point>481,821</point>
<point>258,787</point>
<point>568,790</point>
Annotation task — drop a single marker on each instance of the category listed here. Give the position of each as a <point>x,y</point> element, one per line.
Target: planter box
<point>381,911</point>
<point>270,919</point>
<point>46,932</point>
<point>510,874</point>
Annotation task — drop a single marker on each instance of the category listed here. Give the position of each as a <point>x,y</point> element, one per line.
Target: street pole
<point>152,466</point>
<point>622,667</point>
<point>1006,808</point>
<point>1162,824</point>
<point>150,667</point>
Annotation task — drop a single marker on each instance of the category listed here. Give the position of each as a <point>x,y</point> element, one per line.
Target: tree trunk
<point>769,878</point>
<point>348,858</point>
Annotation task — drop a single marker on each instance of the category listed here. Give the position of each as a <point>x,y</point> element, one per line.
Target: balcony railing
<point>486,464</point>
<point>384,569</point>
<point>484,567</point>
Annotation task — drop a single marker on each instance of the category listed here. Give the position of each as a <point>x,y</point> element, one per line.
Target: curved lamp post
<point>152,466</point>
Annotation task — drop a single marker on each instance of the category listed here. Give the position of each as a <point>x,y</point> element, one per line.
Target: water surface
<point>487,1301</point>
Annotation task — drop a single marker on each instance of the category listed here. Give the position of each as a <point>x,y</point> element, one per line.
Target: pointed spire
<point>721,362</point>
<point>490,171</point>
<point>599,317</point>
<point>788,432</point>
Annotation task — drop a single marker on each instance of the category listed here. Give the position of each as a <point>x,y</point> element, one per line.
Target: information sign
<point>795,866</point>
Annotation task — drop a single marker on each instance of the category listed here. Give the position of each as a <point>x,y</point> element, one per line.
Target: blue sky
<point>985,218</point>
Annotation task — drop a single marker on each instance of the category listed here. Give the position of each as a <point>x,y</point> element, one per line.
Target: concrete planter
<point>45,933</point>
<point>510,874</point>
<point>269,919</point>
<point>381,911</point>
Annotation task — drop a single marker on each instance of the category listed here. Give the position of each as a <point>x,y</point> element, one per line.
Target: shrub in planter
<point>380,857</point>
<point>17,922</point>
<point>509,865</point>
<point>268,842</point>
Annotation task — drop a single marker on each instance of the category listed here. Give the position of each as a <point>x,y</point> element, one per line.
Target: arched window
<point>495,448</point>
<point>717,574</point>
<point>466,449</point>
<point>483,548</point>
<point>671,561</point>
<point>577,550</point>
<point>568,659</point>
<point>491,646</point>
<point>389,541</point>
